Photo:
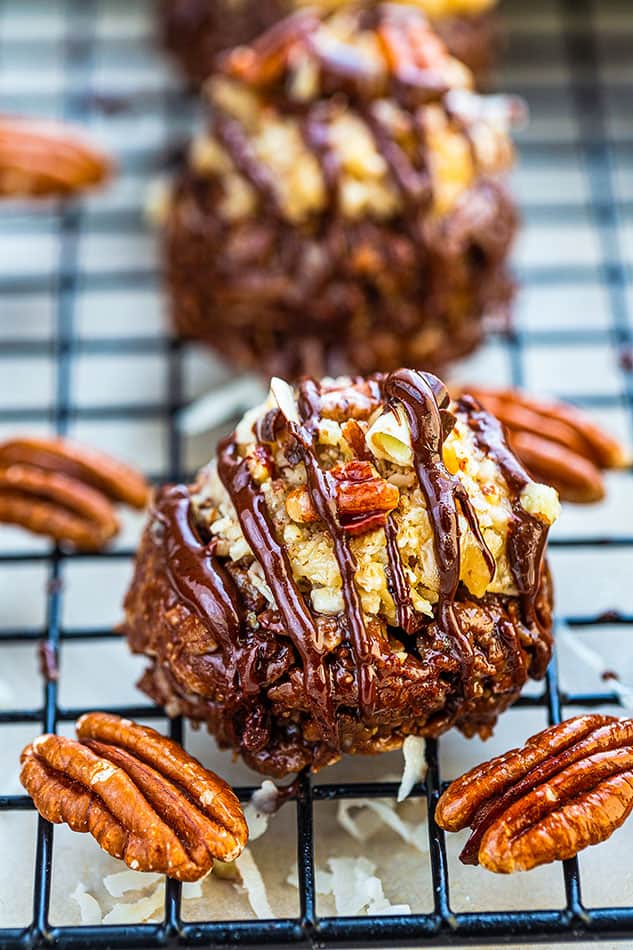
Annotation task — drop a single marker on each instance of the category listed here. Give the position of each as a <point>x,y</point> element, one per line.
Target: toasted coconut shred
<point>355,887</point>
<point>140,911</point>
<point>413,750</point>
<point>253,884</point>
<point>363,828</point>
<point>351,881</point>
<point>261,807</point>
<point>89,909</point>
<point>148,907</point>
<point>123,881</point>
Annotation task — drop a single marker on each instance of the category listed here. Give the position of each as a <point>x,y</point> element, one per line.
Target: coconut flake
<point>137,912</point>
<point>261,807</point>
<point>355,887</point>
<point>323,880</point>
<point>253,884</point>
<point>595,662</point>
<point>89,908</point>
<point>362,827</point>
<point>358,890</point>
<point>285,398</point>
<point>413,750</point>
<point>121,882</point>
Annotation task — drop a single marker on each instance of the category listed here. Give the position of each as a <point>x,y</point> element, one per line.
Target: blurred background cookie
<point>346,208</point>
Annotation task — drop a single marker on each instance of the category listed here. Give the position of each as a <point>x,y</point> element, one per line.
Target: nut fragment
<point>55,487</point>
<point>569,787</point>
<point>363,499</point>
<point>142,797</point>
<point>45,158</point>
<point>556,442</point>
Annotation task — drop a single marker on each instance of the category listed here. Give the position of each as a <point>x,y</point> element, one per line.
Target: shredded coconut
<point>355,887</point>
<point>362,828</point>
<point>253,884</point>
<point>89,908</point>
<point>137,912</point>
<point>323,881</point>
<point>413,749</point>
<point>260,808</point>
<point>123,881</point>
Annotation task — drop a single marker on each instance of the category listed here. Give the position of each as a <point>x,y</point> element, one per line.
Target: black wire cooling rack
<point>582,42</point>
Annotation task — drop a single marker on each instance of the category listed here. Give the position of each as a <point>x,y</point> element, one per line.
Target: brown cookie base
<point>352,296</point>
<point>273,728</point>
<point>195,31</point>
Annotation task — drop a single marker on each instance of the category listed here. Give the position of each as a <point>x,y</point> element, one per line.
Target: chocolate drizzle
<point>422,397</point>
<point>345,74</point>
<point>527,534</point>
<point>257,528</point>
<point>406,616</point>
<point>323,497</point>
<point>200,580</point>
<point>232,136</point>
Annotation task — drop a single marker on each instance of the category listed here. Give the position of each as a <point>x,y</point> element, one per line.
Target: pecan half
<point>43,159</point>
<point>569,787</point>
<point>556,442</point>
<point>55,487</point>
<point>141,796</point>
<point>363,499</point>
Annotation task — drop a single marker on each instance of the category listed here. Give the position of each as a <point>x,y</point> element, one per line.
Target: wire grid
<point>81,32</point>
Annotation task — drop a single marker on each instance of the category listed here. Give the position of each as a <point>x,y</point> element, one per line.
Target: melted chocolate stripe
<point>527,534</point>
<point>232,136</point>
<point>193,572</point>
<point>422,397</point>
<point>204,585</point>
<point>323,496</point>
<point>315,130</point>
<point>257,528</point>
<point>342,69</point>
<point>415,186</point>
<point>399,588</point>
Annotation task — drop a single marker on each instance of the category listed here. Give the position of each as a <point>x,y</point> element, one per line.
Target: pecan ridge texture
<point>558,444</point>
<point>65,490</point>
<point>568,787</point>
<point>141,796</point>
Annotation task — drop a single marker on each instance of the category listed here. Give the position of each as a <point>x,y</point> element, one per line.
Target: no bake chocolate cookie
<point>364,560</point>
<point>345,211</point>
<point>195,31</point>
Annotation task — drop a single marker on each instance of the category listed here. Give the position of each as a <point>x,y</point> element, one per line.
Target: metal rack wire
<point>442,926</point>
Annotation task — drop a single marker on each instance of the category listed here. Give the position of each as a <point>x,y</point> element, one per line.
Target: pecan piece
<point>557,443</point>
<point>60,507</point>
<point>264,61</point>
<point>363,499</point>
<point>142,797</point>
<point>569,787</point>
<point>115,479</point>
<point>42,159</point>
<point>55,487</point>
